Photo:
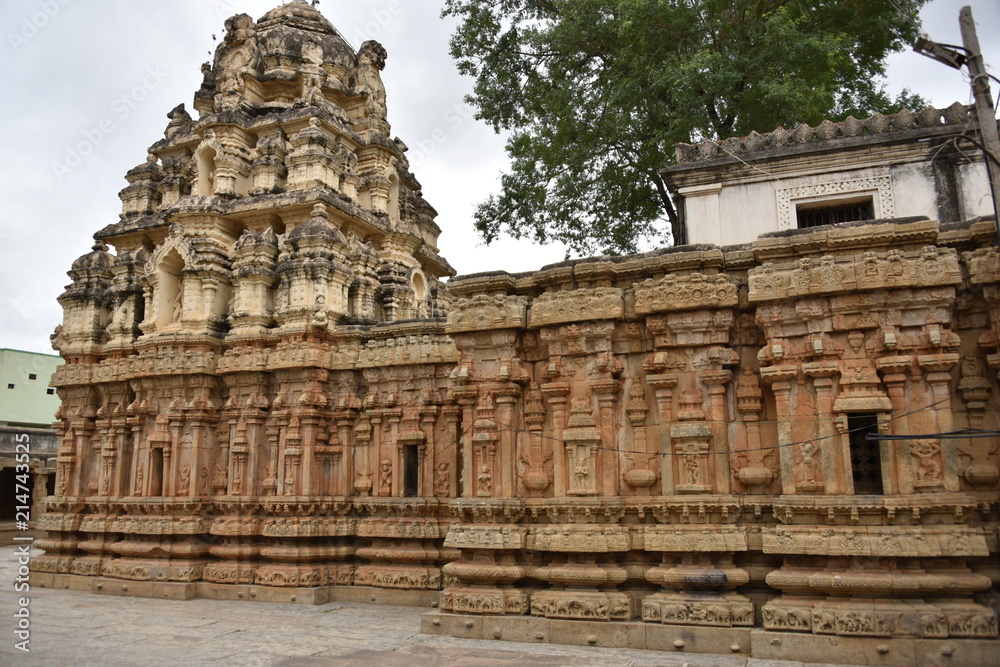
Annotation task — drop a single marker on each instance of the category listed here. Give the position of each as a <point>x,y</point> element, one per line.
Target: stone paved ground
<point>71,628</point>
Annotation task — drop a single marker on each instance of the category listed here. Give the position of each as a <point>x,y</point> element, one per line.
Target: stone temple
<point>784,448</point>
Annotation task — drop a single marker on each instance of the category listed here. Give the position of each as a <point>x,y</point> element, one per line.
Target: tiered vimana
<point>269,394</point>
<point>258,376</point>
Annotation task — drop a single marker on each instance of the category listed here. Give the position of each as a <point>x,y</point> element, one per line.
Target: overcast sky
<point>88,84</point>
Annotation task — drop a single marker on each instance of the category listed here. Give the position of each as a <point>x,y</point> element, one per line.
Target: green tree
<point>595,93</point>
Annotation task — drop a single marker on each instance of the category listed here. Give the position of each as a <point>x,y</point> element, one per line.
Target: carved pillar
<point>446,458</point>
<point>755,474</point>
<point>484,447</point>
<point>663,385</point>
<point>466,398</point>
<point>274,426</point>
<point>109,456</point>
<point>716,382</point>
<point>975,465</point>
<point>291,456</point>
<point>506,399</point>
<point>393,417</point>
<point>428,417</point>
<point>73,461</point>
<point>894,371</point>
<point>779,378</point>
<point>638,473</point>
<point>606,463</point>
<point>132,484</point>
<point>690,442</point>
<point>937,371</point>
<point>834,459</point>
<point>234,455</point>
<point>171,455</point>
<point>583,439</point>
<point>534,478</point>
<point>379,466</point>
<point>345,422</point>
<point>557,395</point>
<point>363,464</point>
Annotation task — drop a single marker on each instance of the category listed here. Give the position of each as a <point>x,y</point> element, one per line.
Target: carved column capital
<point>892,366</point>
<point>773,374</point>
<point>662,381</point>
<point>821,369</point>
<point>938,363</point>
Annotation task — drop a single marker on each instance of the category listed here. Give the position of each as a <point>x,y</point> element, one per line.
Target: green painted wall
<point>24,400</point>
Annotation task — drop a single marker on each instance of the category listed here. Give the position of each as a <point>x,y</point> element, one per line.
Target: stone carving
<point>600,303</point>
<point>483,313</point>
<point>271,384</point>
<point>868,271</point>
<point>927,453</point>
<point>371,59</point>
<point>442,478</point>
<point>688,292</point>
<point>385,478</point>
<point>484,483</point>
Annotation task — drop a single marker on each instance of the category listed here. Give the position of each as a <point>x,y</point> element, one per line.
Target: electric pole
<point>985,114</point>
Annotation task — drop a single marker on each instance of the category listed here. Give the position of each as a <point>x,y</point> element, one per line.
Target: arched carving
<point>165,282</point>
<point>205,158</point>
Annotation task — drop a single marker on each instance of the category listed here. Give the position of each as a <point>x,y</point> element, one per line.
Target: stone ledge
<point>755,643</point>
<point>173,590</point>
<point>632,635</point>
<point>891,652</point>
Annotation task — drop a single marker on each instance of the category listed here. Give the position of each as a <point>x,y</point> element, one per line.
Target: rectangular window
<point>866,460</point>
<point>831,212</point>
<point>32,376</point>
<point>10,386</point>
<point>50,391</point>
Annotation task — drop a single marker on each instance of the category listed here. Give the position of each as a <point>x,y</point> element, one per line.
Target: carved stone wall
<point>260,399</point>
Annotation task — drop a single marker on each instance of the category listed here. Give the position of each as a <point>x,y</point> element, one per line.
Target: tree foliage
<point>595,93</point>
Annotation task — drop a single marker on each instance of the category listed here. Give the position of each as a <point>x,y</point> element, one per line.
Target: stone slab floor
<point>70,628</point>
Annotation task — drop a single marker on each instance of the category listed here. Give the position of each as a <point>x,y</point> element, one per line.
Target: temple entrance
<point>866,459</point>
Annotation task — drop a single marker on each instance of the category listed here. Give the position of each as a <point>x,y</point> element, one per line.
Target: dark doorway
<point>866,461</point>
<point>156,473</point>
<point>411,470</point>
<point>18,492</point>
<point>8,503</point>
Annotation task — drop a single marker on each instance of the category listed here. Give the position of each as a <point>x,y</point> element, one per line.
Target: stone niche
<point>270,394</point>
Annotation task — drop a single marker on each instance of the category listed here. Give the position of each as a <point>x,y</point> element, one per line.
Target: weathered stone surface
<point>270,392</point>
